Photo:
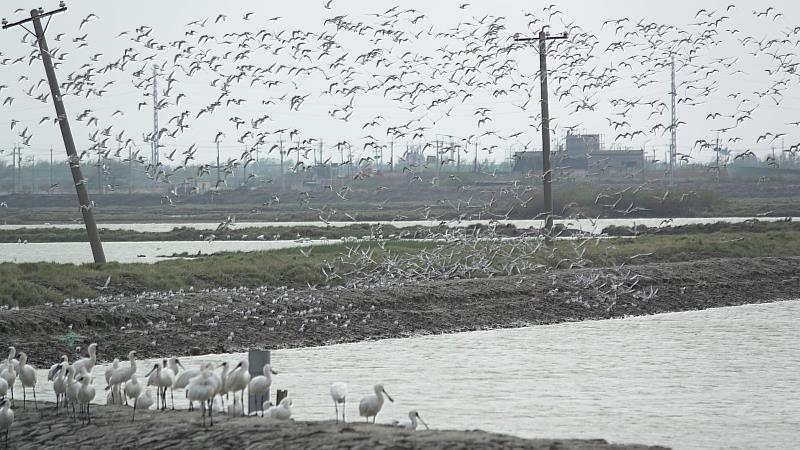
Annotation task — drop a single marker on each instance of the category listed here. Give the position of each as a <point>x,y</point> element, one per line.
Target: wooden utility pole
<point>86,205</point>
<point>546,171</point>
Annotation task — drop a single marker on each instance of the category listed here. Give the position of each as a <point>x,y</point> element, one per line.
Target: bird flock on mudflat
<point>204,387</point>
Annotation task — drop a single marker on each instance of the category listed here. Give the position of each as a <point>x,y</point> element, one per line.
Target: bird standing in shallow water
<point>339,395</point>
<point>371,405</point>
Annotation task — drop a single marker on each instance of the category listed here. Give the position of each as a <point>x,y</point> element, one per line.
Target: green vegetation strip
<point>37,283</point>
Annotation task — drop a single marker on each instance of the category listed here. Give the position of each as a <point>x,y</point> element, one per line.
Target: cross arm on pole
<point>534,39</point>
<point>7,25</point>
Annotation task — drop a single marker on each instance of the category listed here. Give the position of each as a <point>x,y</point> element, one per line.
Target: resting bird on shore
<point>371,405</point>
<point>281,412</point>
<point>143,401</point>
<point>414,417</point>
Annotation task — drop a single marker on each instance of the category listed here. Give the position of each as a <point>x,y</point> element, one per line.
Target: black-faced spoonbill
<point>86,394</point>
<point>143,401</point>
<point>27,376</point>
<point>371,405</point>
<point>120,375</point>
<point>86,363</point>
<point>339,395</point>
<point>6,417</point>
<point>281,412</point>
<point>202,389</point>
<point>239,379</point>
<point>414,417</point>
<point>259,386</point>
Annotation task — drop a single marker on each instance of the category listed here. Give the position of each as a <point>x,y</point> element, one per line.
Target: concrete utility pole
<point>66,133</point>
<point>546,171</point>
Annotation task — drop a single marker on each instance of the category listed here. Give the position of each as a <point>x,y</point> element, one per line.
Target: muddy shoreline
<point>111,427</point>
<point>233,320</point>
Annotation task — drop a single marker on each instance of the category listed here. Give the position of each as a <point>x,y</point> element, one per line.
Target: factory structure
<point>583,153</point>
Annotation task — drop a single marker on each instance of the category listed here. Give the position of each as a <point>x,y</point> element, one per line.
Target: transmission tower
<point>674,126</point>
<point>154,153</point>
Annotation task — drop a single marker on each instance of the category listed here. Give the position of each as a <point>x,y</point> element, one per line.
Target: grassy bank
<point>37,283</point>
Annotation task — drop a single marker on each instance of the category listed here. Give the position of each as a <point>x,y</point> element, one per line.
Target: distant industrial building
<point>583,152</point>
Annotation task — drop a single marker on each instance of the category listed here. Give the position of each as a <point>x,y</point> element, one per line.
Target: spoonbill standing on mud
<point>371,405</point>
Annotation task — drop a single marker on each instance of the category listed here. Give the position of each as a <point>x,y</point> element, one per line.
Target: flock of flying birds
<point>237,81</point>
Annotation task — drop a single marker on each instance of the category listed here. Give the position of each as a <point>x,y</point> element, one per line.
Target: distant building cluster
<point>583,152</point>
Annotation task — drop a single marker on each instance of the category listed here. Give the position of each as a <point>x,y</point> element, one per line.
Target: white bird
<point>121,375</point>
<point>60,384</point>
<point>86,394</point>
<point>6,417</point>
<point>87,363</point>
<point>259,386</point>
<point>114,396</point>
<point>56,368</point>
<point>3,388</point>
<point>162,378</point>
<point>239,378</point>
<point>339,395</point>
<point>72,389</point>
<point>143,401</point>
<point>27,376</point>
<point>9,375</point>
<point>114,366</point>
<point>371,405</point>
<point>10,361</point>
<point>281,412</point>
<point>173,366</point>
<point>133,389</point>
<point>413,416</point>
<point>202,389</point>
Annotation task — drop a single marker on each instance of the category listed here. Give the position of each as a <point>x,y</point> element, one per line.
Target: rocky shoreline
<point>111,427</point>
<point>224,321</point>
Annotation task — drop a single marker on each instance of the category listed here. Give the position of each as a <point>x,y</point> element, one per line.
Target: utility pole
<point>218,166</point>
<point>154,154</point>
<point>548,175</point>
<point>673,147</point>
<point>51,170</point>
<point>14,169</point>
<point>130,172</point>
<point>475,163</point>
<point>63,121</point>
<point>391,155</point>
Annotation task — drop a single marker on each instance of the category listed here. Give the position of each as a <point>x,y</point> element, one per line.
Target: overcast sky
<point>169,20</point>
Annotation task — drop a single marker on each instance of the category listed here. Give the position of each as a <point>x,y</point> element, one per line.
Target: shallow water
<point>136,252</point>
<point>586,225</point>
<point>720,378</point>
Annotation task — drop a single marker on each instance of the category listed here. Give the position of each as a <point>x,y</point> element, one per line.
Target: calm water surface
<point>583,224</point>
<point>721,378</point>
